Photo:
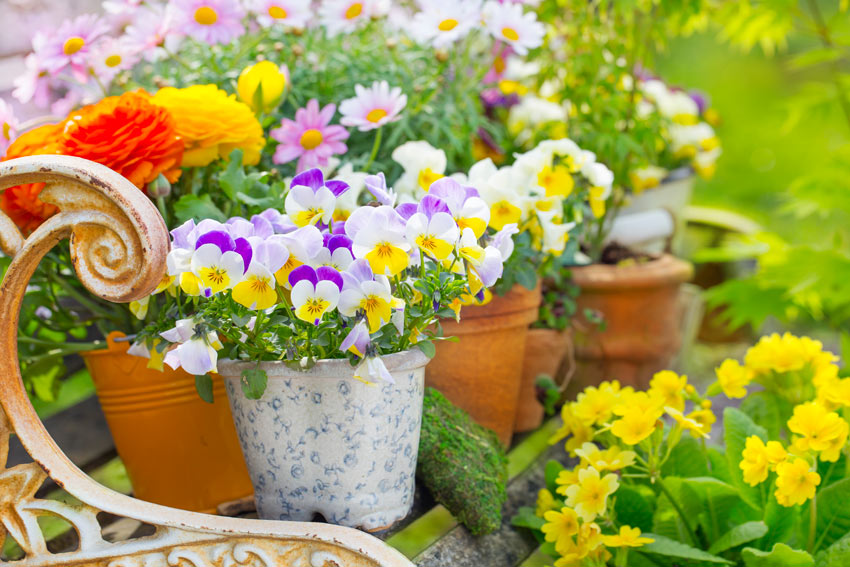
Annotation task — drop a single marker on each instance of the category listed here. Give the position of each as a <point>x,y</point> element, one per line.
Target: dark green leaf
<point>672,548</point>
<point>254,382</point>
<point>833,512</point>
<point>780,556</point>
<point>737,426</point>
<point>204,386</point>
<point>198,208</point>
<point>738,535</point>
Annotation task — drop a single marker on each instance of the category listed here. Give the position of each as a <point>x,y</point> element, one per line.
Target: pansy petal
<point>311,178</point>
<point>337,187</point>
<point>303,273</point>
<point>243,248</point>
<point>220,238</point>
<point>326,273</point>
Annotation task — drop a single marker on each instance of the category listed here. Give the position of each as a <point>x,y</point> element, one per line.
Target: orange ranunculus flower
<point>126,133</point>
<point>21,203</point>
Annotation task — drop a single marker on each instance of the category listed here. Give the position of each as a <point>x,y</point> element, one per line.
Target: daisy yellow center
<point>311,139</point>
<point>354,10</point>
<point>376,114</point>
<point>206,16</point>
<point>113,60</point>
<point>73,45</point>
<point>447,25</point>
<point>277,13</point>
<point>510,33</point>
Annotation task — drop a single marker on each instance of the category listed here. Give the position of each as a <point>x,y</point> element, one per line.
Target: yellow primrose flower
<point>628,537</point>
<point>590,497</point>
<point>835,392</point>
<point>635,426</point>
<point>612,459</point>
<point>669,386</point>
<point>565,479</point>
<point>595,404</point>
<point>754,461</point>
<point>560,525</point>
<point>573,428</point>
<point>819,430</point>
<point>795,482</point>
<point>261,85</point>
<point>212,124</point>
<point>733,378</point>
<point>687,423</point>
<point>646,402</point>
<point>545,503</point>
<point>705,418</point>
<point>785,353</point>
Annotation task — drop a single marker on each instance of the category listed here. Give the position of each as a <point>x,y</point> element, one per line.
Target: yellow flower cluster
<point>212,124</point>
<point>818,435</point>
<point>573,524</point>
<point>792,367</point>
<point>632,416</point>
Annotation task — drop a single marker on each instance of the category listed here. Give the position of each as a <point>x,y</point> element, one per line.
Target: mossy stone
<point>463,465</point>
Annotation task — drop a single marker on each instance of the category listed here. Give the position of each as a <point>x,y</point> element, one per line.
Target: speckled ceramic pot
<point>323,442</point>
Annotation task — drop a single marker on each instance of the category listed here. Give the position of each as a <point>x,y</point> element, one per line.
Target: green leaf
<point>686,460</point>
<point>428,348</point>
<point>232,179</point>
<point>780,521</point>
<point>815,56</point>
<point>765,409</point>
<point>780,556</point>
<point>633,509</point>
<point>845,345</point>
<point>833,512</point>
<point>738,535</point>
<point>552,470</point>
<point>672,548</point>
<point>836,555</point>
<point>737,426</point>
<point>254,382</point>
<point>198,208</point>
<point>526,518</point>
<point>204,386</point>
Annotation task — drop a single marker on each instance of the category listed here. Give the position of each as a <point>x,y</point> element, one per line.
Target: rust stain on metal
<point>118,247</point>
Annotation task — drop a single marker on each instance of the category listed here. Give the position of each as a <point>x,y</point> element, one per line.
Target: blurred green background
<point>762,152</point>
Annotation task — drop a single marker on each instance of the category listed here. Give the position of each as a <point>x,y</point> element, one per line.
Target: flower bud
<point>442,55</point>
<point>262,85</point>
<point>159,187</point>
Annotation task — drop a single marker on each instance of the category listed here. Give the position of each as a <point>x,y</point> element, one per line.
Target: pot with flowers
<point>543,196</point>
<point>326,327</point>
<point>162,92</point>
<point>628,317</point>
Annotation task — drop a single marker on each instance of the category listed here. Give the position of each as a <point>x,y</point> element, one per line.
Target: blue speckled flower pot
<point>323,442</point>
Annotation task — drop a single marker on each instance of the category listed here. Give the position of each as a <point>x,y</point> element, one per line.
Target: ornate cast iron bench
<point>118,245</point>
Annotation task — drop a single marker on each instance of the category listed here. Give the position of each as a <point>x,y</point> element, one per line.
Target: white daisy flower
<point>443,22</point>
<point>345,16</point>
<point>508,23</point>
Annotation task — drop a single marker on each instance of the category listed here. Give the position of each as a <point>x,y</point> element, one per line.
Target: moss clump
<point>462,464</point>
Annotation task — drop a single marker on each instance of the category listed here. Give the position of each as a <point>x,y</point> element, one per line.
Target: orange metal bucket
<point>179,451</point>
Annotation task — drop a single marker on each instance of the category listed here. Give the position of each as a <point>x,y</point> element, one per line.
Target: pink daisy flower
<point>69,45</point>
<point>153,31</point>
<point>309,137</point>
<point>210,21</point>
<point>111,56</point>
<point>33,85</point>
<point>287,13</point>
<point>8,126</point>
<point>373,107</point>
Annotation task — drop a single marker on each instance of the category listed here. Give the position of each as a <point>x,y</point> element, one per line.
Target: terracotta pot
<point>546,352</point>
<point>179,451</point>
<point>641,332</point>
<point>482,372</point>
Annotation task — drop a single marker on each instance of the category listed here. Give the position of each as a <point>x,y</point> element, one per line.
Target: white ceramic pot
<point>654,220</point>
<point>321,441</point>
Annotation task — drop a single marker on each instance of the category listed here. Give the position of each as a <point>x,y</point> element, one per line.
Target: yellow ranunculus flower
<point>212,124</point>
<point>264,75</point>
<point>796,482</point>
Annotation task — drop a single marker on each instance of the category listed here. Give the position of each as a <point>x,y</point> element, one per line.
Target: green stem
<point>375,147</point>
<point>160,204</point>
<point>813,523</point>
<point>679,511</point>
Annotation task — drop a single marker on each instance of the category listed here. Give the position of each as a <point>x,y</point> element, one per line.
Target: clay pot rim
<point>667,269</point>
<point>326,368</point>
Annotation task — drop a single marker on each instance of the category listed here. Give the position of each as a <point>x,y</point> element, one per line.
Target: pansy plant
<point>299,286</point>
